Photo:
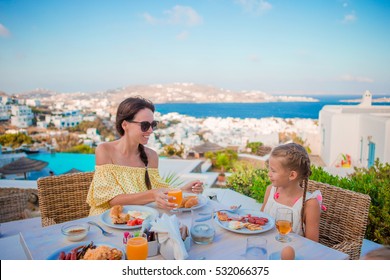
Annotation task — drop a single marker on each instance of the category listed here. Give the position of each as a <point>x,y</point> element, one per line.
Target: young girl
<point>289,171</point>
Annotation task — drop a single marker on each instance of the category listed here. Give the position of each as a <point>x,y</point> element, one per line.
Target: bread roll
<point>191,202</point>
<point>185,199</point>
<point>116,215</point>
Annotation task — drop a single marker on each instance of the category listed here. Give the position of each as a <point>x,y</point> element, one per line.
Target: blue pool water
<point>61,163</point>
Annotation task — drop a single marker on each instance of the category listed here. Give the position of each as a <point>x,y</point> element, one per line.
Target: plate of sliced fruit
<point>245,221</point>
<point>128,216</point>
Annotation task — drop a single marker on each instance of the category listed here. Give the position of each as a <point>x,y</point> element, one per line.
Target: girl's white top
<point>272,205</point>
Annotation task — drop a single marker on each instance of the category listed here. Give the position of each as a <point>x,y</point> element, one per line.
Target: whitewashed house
<point>89,118</point>
<point>6,104</point>
<point>9,100</point>
<point>360,131</point>
<point>33,102</point>
<point>21,116</point>
<point>5,112</point>
<point>67,119</point>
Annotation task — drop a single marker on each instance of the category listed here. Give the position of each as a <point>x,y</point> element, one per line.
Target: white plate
<point>242,212</point>
<point>202,201</point>
<point>106,219</point>
<point>56,254</point>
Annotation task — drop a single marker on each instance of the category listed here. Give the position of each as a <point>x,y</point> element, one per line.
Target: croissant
<point>117,217</point>
<point>222,216</point>
<point>191,202</point>
<point>116,210</point>
<point>184,200</point>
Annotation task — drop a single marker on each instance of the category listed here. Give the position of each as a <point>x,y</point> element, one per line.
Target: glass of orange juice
<point>284,222</point>
<point>137,248</point>
<point>177,194</point>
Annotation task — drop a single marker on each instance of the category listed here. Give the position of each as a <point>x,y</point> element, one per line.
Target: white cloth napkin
<point>171,244</point>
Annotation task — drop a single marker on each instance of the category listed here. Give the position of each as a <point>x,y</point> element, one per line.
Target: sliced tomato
<point>135,222</point>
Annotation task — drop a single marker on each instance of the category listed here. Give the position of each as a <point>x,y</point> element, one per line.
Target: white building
<point>91,138</point>
<point>42,124</point>
<point>22,116</point>
<point>8,100</point>
<point>5,112</point>
<point>66,119</point>
<point>89,118</point>
<point>33,102</point>
<point>360,131</point>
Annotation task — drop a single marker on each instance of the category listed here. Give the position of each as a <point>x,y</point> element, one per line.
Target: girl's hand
<point>161,199</point>
<point>194,187</point>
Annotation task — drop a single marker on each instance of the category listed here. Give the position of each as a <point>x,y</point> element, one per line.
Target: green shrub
<point>173,150</point>
<point>15,140</point>
<point>249,181</point>
<point>81,149</point>
<point>224,159</point>
<point>254,146</point>
<point>374,181</point>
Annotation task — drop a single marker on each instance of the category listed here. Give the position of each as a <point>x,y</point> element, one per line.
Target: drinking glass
<point>284,221</point>
<point>177,194</point>
<point>202,225</point>
<point>256,248</point>
<point>137,248</point>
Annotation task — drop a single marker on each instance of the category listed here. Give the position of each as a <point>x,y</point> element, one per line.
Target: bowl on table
<point>75,231</point>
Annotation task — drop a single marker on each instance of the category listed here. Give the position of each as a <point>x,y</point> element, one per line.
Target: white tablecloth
<point>42,242</point>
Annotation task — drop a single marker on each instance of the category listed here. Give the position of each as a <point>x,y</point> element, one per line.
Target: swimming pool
<point>60,163</point>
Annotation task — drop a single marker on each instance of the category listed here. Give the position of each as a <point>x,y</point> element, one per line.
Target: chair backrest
<point>13,203</point>
<point>63,198</point>
<point>344,223</point>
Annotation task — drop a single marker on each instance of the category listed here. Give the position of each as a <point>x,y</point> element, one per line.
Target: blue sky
<point>276,46</point>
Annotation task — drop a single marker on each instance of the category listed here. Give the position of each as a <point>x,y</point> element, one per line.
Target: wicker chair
<point>63,198</point>
<point>344,223</point>
<point>13,203</point>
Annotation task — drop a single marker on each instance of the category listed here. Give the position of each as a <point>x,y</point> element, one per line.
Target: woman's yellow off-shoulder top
<point>111,180</point>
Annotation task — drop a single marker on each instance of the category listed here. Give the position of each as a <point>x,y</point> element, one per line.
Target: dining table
<point>40,242</point>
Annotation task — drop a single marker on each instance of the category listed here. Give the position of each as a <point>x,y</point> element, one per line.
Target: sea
<point>304,110</point>
<point>61,163</point>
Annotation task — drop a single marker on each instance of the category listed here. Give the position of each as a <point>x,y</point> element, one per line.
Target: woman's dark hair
<point>295,157</point>
<point>127,109</point>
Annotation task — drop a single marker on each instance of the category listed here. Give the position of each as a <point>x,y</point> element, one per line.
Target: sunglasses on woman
<point>146,125</point>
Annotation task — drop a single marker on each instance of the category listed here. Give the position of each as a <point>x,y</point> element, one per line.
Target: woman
<point>126,171</point>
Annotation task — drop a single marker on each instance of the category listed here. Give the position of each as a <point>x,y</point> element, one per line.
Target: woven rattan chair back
<point>13,203</point>
<point>63,198</point>
<point>344,223</point>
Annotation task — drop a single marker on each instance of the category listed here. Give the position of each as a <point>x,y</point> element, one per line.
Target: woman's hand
<point>194,187</point>
<point>161,199</point>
